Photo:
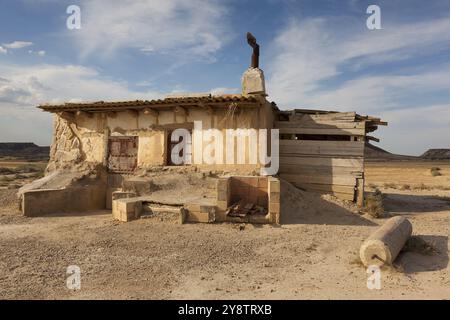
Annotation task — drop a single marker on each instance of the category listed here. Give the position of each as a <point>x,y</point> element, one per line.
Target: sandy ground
<point>313,255</point>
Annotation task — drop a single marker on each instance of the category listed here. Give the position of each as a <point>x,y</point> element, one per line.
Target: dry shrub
<point>4,170</point>
<point>423,186</point>
<point>436,172</point>
<point>390,185</point>
<point>405,187</point>
<point>6,179</point>
<point>419,245</point>
<point>28,168</point>
<point>373,204</point>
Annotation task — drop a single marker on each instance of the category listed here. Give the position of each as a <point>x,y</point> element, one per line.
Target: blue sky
<point>315,54</point>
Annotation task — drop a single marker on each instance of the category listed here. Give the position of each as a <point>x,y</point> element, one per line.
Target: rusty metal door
<point>122,154</point>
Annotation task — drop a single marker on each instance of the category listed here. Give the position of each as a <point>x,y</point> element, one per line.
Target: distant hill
<point>436,154</point>
<point>24,150</point>
<point>373,153</point>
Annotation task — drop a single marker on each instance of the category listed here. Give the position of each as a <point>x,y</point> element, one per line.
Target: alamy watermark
<point>373,22</point>
<point>74,20</point>
<point>374,279</point>
<point>236,146</point>
<point>73,281</point>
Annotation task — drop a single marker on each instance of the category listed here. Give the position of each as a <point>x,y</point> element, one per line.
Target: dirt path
<point>313,257</point>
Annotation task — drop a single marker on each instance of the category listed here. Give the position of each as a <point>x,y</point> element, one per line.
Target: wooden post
<point>360,192</point>
<point>105,146</point>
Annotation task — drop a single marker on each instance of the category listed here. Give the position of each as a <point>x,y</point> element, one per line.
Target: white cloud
<point>17,44</point>
<point>194,28</point>
<point>3,50</point>
<point>311,52</point>
<point>313,65</point>
<point>22,88</point>
<point>31,85</point>
<point>40,53</point>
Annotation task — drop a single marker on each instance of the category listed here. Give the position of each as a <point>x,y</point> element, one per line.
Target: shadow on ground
<point>300,207</point>
<point>413,262</point>
<point>407,203</point>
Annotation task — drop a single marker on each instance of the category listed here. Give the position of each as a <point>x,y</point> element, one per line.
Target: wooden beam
<point>372,138</point>
<point>335,162</point>
<point>322,131</point>
<point>360,192</point>
<point>320,124</point>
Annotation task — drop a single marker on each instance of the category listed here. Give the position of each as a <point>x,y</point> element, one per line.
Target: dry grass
<point>436,171</point>
<point>442,188</point>
<point>390,185</point>
<point>373,205</point>
<point>14,175</point>
<point>405,187</point>
<point>422,186</point>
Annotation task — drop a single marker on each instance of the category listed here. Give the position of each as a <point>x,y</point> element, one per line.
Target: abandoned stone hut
<point>102,153</point>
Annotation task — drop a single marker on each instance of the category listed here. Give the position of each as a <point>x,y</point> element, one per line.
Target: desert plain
<point>313,254</point>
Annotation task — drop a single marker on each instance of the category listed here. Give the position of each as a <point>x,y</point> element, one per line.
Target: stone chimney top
<point>253,82</point>
<point>253,78</point>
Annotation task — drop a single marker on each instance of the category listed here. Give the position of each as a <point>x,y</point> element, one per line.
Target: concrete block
<point>222,195</point>
<point>116,193</point>
<point>274,218</point>
<point>274,185</point>
<point>274,207</point>
<point>222,184</point>
<point>205,217</point>
<point>222,205</point>
<point>183,216</point>
<point>72,199</point>
<point>274,197</point>
<point>192,207</point>
<point>122,195</point>
<point>126,209</point>
<point>262,182</point>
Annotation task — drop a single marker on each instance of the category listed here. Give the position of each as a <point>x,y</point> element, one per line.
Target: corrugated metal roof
<point>157,103</point>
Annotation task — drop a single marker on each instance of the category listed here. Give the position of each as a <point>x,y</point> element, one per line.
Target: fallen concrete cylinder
<point>383,246</point>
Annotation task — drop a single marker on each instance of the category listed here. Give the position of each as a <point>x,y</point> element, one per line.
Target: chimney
<point>253,78</point>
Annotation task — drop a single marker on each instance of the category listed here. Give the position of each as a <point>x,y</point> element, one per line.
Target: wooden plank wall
<point>323,166</point>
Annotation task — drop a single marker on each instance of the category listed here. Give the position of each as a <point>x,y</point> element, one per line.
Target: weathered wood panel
<point>331,148</point>
<point>323,166</point>
<point>331,188</point>
<point>122,154</point>
<point>319,170</point>
<point>345,180</point>
<point>355,163</point>
<point>319,124</point>
<point>329,131</point>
